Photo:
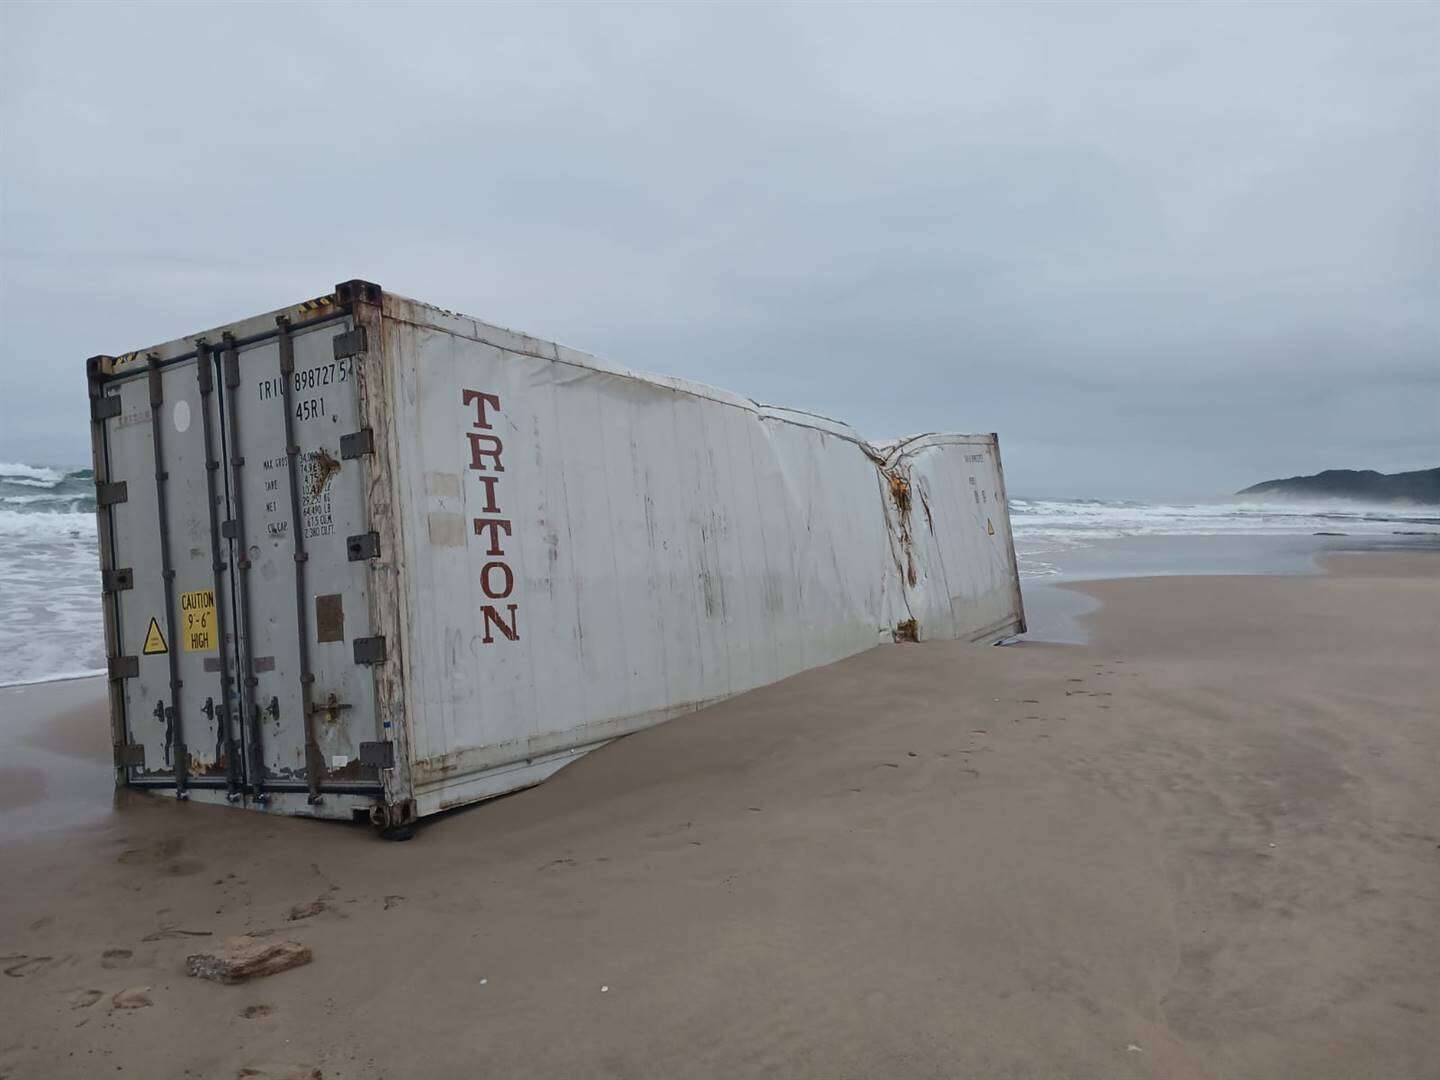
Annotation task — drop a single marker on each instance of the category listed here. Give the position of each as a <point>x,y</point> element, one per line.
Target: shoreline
<point>1055,608</point>
<point>44,679</point>
<point>1207,835</point>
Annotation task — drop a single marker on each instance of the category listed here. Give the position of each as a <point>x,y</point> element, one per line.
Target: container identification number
<point>313,378</point>
<point>310,408</point>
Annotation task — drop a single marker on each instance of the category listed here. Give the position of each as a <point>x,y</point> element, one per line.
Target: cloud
<point>1162,250</point>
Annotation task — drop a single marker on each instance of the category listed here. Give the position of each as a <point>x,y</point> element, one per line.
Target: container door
<point>167,577</point>
<point>300,546</point>
<point>236,569</point>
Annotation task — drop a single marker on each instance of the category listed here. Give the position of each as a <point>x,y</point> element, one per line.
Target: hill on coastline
<point>1420,486</point>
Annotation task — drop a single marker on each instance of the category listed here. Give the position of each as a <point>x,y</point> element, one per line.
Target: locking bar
<point>223,711</point>
<point>233,531</point>
<point>297,535</point>
<point>167,566</point>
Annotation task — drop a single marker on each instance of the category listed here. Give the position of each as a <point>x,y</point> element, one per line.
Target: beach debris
<point>604,989</point>
<point>393,900</point>
<point>483,982</point>
<point>247,957</point>
<point>134,997</point>
<point>1133,1049</point>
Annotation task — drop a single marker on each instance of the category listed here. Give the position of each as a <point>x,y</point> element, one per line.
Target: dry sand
<point>1205,845</point>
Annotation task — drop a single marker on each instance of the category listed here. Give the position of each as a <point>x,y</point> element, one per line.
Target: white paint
<point>670,544</point>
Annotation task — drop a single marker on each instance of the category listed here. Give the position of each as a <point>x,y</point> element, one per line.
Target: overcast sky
<point>1163,250</point>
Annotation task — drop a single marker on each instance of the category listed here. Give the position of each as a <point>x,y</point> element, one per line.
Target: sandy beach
<point>1204,843</point>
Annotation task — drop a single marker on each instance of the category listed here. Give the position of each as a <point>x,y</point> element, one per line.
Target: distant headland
<point>1420,486</point>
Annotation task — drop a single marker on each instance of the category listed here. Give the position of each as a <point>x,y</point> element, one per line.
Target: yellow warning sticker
<point>154,640</point>
<point>989,527</point>
<point>197,610</point>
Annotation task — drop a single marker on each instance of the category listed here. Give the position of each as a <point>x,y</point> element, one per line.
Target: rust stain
<point>907,630</point>
<point>353,770</point>
<point>900,492</point>
<point>197,767</point>
<point>325,467</point>
<point>900,495</point>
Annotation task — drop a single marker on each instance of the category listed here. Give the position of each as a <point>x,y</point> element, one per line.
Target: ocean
<point>50,626</point>
<point>1051,535</point>
<point>50,623</point>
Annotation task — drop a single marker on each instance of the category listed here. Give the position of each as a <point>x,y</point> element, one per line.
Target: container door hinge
<point>122,667</point>
<point>113,581</point>
<point>230,529</point>
<point>378,755</point>
<point>357,443</point>
<point>130,755</point>
<point>364,546</point>
<point>351,343</point>
<point>110,494</point>
<point>103,408</point>
<point>370,650</point>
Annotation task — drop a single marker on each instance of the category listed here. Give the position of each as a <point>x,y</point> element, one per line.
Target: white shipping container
<point>366,557</point>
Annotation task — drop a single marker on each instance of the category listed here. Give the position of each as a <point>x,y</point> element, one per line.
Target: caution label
<point>198,626</point>
<point>154,640</point>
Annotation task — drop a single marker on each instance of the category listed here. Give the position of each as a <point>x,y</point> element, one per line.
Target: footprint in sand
<point>175,932</point>
<point>307,910</point>
<point>83,999</point>
<point>24,965</point>
<point>113,958</point>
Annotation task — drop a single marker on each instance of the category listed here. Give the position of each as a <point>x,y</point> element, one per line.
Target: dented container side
<point>589,552</point>
<point>951,516</point>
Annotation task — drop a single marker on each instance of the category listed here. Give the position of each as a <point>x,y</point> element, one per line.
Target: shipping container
<point>365,557</point>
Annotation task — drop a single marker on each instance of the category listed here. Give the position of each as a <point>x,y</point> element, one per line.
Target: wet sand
<point>1204,844</point>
